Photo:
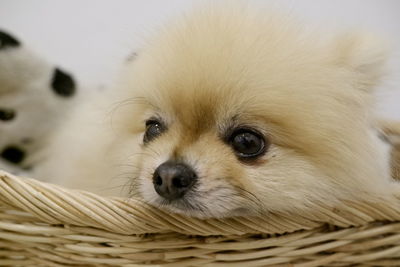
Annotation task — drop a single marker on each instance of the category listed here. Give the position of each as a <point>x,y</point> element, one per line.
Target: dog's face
<point>239,115</point>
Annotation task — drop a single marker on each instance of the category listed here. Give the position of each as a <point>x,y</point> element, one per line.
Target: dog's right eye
<point>153,129</point>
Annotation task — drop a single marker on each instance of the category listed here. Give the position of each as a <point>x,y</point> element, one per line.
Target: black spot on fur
<point>7,41</point>
<point>26,141</point>
<point>384,137</point>
<point>132,56</point>
<point>13,154</point>
<point>27,168</point>
<point>7,114</point>
<point>62,83</point>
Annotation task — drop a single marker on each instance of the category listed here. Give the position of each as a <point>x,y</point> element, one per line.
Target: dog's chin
<point>185,207</point>
<point>197,209</point>
<point>203,206</point>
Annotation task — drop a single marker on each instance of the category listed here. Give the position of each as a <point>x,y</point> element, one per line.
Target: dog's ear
<point>363,54</point>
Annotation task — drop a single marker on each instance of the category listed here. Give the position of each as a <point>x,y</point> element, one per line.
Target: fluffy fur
<point>220,68</point>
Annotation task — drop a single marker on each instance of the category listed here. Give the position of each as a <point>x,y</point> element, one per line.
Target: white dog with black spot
<point>35,97</point>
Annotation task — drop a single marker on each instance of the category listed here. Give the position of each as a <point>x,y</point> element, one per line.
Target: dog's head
<point>241,113</point>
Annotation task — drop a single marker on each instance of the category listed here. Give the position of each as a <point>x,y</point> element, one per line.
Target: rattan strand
<point>46,225</point>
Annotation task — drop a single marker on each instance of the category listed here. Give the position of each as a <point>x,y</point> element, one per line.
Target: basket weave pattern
<point>46,225</point>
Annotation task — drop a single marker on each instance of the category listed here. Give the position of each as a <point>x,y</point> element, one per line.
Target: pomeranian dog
<point>233,111</point>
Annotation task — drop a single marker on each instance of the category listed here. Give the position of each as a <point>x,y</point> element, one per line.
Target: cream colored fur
<point>311,96</point>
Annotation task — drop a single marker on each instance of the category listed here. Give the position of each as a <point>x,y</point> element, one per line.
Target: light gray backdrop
<point>92,37</point>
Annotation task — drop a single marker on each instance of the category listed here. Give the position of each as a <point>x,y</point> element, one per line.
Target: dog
<point>233,112</point>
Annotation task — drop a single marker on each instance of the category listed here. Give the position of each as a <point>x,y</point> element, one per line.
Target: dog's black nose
<point>172,180</point>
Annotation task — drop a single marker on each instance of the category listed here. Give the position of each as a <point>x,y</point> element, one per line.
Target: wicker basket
<point>46,225</point>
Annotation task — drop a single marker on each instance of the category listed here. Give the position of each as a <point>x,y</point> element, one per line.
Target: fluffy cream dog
<point>231,111</point>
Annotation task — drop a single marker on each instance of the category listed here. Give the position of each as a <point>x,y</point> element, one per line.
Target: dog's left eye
<point>153,129</point>
<point>247,143</point>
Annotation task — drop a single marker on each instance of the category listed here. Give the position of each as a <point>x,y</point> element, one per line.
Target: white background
<point>90,38</point>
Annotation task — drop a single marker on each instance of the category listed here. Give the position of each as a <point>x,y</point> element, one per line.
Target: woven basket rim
<point>57,205</point>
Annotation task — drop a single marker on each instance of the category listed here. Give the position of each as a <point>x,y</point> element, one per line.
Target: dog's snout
<point>172,180</point>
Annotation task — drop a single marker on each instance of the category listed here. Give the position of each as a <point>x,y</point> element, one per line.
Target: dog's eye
<point>247,143</point>
<point>6,114</point>
<point>153,129</point>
